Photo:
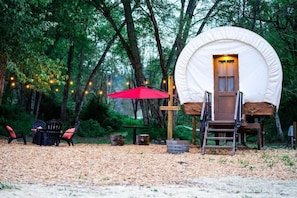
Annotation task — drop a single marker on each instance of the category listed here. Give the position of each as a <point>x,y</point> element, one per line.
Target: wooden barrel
<point>177,146</point>
<point>117,140</point>
<point>143,139</point>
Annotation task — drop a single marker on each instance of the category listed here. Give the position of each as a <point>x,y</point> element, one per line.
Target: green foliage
<point>287,160</point>
<point>16,117</point>
<point>91,128</point>
<point>101,113</point>
<point>36,35</point>
<point>50,108</point>
<point>129,121</point>
<point>24,42</point>
<point>156,133</point>
<point>182,133</point>
<point>43,70</point>
<point>4,186</point>
<point>270,130</point>
<point>245,164</point>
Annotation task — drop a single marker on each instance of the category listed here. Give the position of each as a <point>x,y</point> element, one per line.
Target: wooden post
<point>170,108</point>
<point>194,130</point>
<point>170,103</point>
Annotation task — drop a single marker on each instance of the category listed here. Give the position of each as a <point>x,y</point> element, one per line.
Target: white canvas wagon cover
<point>260,70</point>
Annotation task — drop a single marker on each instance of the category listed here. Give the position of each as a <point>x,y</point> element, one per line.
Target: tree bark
<point>3,61</point>
<point>135,56</point>
<point>78,83</point>
<point>279,127</point>
<point>255,14</point>
<point>207,16</point>
<point>38,105</point>
<point>158,40</point>
<point>98,65</point>
<point>32,103</point>
<point>67,80</point>
<point>185,20</point>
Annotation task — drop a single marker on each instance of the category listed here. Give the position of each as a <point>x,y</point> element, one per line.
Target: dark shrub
<point>16,117</point>
<point>91,128</point>
<point>101,113</point>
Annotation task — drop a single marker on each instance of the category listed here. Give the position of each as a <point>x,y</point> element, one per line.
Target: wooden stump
<point>143,139</point>
<point>117,140</point>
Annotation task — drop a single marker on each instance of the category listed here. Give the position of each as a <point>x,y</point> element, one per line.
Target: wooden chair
<point>37,124</point>
<point>13,135</point>
<point>51,134</point>
<point>69,133</point>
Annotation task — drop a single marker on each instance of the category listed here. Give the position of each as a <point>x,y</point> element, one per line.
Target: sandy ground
<point>89,170</point>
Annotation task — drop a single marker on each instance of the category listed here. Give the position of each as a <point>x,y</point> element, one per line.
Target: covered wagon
<point>230,77</point>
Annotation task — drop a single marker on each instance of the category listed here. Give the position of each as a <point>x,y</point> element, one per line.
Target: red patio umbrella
<point>141,92</point>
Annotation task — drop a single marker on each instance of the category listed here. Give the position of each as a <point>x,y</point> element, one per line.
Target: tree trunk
<point>38,105</point>
<point>66,87</point>
<point>3,61</point>
<point>78,79</point>
<point>32,103</point>
<point>131,46</point>
<point>279,127</point>
<point>158,40</point>
<point>135,56</point>
<point>81,97</point>
<point>207,16</point>
<point>183,32</point>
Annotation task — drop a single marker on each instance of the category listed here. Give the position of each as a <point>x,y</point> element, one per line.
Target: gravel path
<point>88,170</point>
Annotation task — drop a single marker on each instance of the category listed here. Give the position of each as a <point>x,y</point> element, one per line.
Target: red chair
<point>69,133</point>
<point>14,136</point>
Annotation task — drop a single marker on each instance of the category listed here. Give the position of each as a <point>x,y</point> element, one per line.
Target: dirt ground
<point>102,170</point>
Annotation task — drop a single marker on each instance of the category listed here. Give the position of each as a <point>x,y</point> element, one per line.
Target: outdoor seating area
<point>68,134</point>
<point>50,133</point>
<point>14,135</point>
<point>37,124</point>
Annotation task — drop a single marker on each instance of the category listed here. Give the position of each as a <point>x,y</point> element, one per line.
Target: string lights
<point>71,82</point>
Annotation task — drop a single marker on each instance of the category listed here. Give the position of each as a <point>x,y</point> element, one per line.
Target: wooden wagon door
<point>226,84</point>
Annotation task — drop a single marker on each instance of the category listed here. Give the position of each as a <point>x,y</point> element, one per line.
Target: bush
<point>155,132</point>
<point>50,108</point>
<point>16,117</point>
<point>91,128</point>
<point>182,133</point>
<point>102,114</point>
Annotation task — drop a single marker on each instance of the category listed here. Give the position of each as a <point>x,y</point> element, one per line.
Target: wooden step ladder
<point>222,132</point>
